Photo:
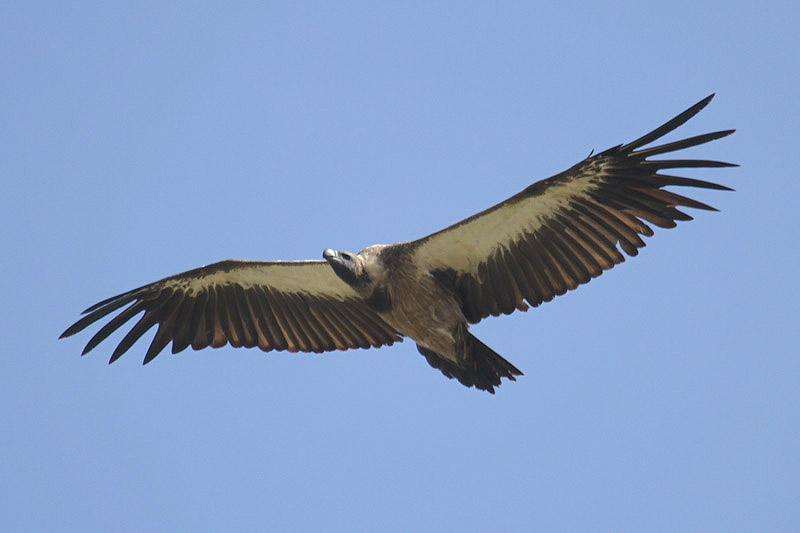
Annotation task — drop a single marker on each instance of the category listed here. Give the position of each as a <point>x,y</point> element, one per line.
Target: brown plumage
<point>552,237</point>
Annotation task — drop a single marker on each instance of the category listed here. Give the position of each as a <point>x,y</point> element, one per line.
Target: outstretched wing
<point>291,305</point>
<point>563,231</point>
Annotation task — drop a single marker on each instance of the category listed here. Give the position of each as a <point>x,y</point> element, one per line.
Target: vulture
<point>553,236</point>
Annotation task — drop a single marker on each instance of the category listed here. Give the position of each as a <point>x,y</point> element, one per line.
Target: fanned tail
<point>482,368</point>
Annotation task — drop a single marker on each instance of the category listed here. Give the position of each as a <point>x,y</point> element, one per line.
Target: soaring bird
<point>552,237</point>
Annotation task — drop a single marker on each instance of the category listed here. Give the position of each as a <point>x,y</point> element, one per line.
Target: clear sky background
<point>142,140</point>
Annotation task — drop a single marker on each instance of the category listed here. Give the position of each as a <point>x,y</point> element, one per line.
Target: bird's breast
<point>421,309</point>
<point>379,299</point>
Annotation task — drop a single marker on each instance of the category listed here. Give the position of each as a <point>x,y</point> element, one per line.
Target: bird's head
<point>349,267</point>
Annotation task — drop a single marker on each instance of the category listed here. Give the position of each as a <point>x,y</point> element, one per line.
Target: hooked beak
<point>338,261</point>
<point>330,255</point>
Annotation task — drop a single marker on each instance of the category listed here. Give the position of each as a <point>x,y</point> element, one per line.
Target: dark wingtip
<point>702,103</point>
<point>669,126</point>
<point>117,354</point>
<point>696,108</point>
<point>724,187</point>
<point>154,349</point>
<point>72,330</point>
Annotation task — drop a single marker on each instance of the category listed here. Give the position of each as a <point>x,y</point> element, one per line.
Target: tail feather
<point>482,367</point>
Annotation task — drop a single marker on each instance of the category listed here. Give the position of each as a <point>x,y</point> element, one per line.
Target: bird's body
<point>417,305</point>
<point>550,238</point>
<point>412,301</point>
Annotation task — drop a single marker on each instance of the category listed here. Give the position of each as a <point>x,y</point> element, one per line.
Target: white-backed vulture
<point>552,237</point>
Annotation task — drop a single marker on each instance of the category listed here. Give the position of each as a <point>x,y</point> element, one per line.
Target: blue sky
<point>146,139</point>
